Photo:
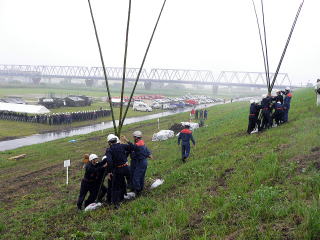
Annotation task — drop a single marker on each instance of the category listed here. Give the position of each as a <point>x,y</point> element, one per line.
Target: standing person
<point>197,114</point>
<point>253,116</point>
<point>201,114</point>
<point>205,114</point>
<point>139,162</point>
<point>117,153</point>
<point>286,104</point>
<point>317,90</point>
<point>91,180</point>
<point>278,113</point>
<point>192,113</point>
<point>266,111</point>
<point>185,136</point>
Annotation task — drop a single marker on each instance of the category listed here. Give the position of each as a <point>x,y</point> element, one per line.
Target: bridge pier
<point>36,80</point>
<point>147,85</point>
<point>215,89</point>
<point>91,82</point>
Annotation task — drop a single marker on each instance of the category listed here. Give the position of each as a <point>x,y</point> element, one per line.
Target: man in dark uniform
<point>253,116</point>
<point>117,153</point>
<point>278,113</point>
<point>91,180</point>
<point>266,113</point>
<point>286,104</point>
<point>185,136</point>
<point>139,162</point>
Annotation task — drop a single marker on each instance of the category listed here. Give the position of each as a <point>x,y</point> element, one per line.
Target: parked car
<point>169,106</point>
<point>141,106</point>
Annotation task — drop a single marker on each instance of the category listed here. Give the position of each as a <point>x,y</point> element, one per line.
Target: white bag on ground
<point>93,206</point>
<point>129,196</point>
<point>162,135</point>
<point>156,183</point>
<point>192,125</point>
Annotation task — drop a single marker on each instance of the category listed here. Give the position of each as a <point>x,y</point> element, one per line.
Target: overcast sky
<point>193,34</point>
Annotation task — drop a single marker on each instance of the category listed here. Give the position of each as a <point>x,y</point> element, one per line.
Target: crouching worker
<point>117,154</point>
<point>139,162</point>
<point>185,136</point>
<point>92,180</point>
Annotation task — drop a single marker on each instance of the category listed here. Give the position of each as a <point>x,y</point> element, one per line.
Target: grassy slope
<point>234,186</point>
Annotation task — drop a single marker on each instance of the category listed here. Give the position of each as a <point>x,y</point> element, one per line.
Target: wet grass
<point>234,186</point>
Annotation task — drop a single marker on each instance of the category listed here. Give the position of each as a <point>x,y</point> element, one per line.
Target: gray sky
<point>193,34</point>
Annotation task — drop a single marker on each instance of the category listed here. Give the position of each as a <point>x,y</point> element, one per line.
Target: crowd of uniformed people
<point>114,166</point>
<point>271,111</point>
<point>55,118</point>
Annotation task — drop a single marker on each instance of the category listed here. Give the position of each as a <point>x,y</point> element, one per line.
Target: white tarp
<point>192,125</point>
<point>162,135</point>
<point>23,108</point>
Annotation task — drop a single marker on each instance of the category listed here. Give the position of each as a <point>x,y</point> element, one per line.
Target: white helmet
<point>137,134</point>
<point>287,88</point>
<point>112,137</point>
<point>252,101</point>
<point>187,124</point>
<point>92,157</point>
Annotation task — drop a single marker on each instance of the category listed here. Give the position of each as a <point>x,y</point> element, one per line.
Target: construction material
<point>162,135</point>
<point>18,157</point>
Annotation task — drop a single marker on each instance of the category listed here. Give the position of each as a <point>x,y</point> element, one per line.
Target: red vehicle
<point>191,102</point>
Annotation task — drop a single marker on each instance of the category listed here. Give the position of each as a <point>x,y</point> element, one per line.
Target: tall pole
<point>287,44</point>
<point>104,68</point>
<point>140,70</point>
<point>124,66</point>
<point>266,47</point>
<point>261,42</point>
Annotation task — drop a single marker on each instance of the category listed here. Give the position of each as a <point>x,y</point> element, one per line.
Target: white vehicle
<point>141,106</point>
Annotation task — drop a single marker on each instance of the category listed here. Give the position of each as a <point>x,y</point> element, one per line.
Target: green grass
<point>234,186</point>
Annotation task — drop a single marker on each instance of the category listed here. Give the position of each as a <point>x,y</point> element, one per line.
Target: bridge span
<point>177,76</point>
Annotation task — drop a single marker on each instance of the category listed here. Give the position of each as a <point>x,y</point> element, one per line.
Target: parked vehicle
<point>169,106</point>
<point>141,106</point>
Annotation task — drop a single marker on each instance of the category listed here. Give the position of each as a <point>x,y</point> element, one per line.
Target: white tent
<point>23,108</point>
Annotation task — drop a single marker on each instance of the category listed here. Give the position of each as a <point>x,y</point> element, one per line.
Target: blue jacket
<point>186,135</point>
<point>287,100</point>
<point>141,152</point>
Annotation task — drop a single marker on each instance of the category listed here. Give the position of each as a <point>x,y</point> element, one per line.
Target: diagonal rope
<point>104,68</point>
<point>286,46</point>
<point>124,65</point>
<point>261,42</point>
<point>266,47</point>
<point>140,70</point>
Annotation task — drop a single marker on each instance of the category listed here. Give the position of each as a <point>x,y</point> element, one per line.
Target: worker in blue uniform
<point>286,104</point>
<point>185,136</point>
<point>117,154</point>
<point>139,163</point>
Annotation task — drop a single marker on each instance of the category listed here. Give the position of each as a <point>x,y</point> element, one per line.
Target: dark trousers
<point>86,187</point>
<point>119,185</point>
<point>252,123</point>
<point>277,116</point>
<point>138,170</point>
<point>185,148</point>
<point>266,121</point>
<point>285,114</point>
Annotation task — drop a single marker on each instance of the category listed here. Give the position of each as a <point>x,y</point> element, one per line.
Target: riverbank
<point>234,186</point>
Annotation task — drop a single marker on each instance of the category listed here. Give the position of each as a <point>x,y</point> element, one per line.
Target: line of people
<point>55,118</point>
<point>272,111</point>
<point>115,167</point>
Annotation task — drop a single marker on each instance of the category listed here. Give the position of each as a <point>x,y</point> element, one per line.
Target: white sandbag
<point>192,125</point>
<point>93,206</point>
<point>162,135</point>
<point>129,196</point>
<point>156,183</point>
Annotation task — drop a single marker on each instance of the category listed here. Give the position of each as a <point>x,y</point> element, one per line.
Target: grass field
<point>234,186</point>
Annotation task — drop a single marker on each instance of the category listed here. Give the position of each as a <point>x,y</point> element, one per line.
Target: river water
<point>46,137</point>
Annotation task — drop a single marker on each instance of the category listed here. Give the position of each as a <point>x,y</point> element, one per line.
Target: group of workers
<point>55,118</point>
<point>271,111</point>
<point>114,166</point>
<point>199,114</point>
<point>120,175</point>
